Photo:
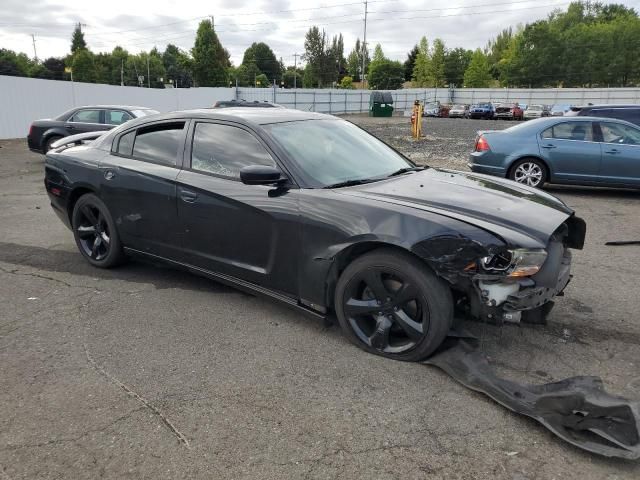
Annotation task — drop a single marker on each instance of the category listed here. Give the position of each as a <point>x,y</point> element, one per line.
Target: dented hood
<point>521,215</point>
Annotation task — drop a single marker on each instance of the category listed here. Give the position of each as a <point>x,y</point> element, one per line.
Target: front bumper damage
<point>510,300</point>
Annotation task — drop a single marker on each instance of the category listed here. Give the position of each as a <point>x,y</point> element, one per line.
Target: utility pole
<point>148,74</point>
<point>364,46</point>
<point>35,54</point>
<point>212,23</point>
<point>295,69</point>
<point>122,72</point>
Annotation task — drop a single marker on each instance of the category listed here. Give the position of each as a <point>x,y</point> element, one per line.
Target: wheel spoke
<point>96,246</point>
<point>373,279</point>
<point>105,239</point>
<point>412,328</point>
<point>380,338</point>
<point>86,232</point>
<point>354,307</point>
<point>89,215</point>
<point>404,294</point>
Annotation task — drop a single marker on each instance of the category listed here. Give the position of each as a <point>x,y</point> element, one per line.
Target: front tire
<point>390,304</point>
<point>529,171</point>
<point>95,232</point>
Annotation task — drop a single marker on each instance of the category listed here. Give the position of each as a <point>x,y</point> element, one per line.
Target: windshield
<point>535,107</point>
<point>334,151</point>
<point>457,107</point>
<point>483,105</point>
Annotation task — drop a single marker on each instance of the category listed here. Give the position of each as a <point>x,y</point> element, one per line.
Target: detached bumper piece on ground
<point>576,409</point>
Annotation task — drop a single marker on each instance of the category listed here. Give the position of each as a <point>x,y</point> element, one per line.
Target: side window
<point>86,116</point>
<point>117,117</point>
<point>603,112</point>
<point>617,133</point>
<point>224,150</point>
<point>630,115</point>
<point>158,143</point>
<point>581,131</point>
<point>125,144</point>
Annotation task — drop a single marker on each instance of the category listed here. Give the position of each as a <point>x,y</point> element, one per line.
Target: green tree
<point>83,65</point>
<point>421,69</point>
<point>289,75</point>
<point>177,65</point>
<point>263,57</point>
<point>12,63</point>
<point>455,64</point>
<point>346,82</point>
<point>77,39</point>
<point>210,59</point>
<point>354,60</point>
<point>386,75</point>
<point>437,77</point>
<point>410,63</point>
<point>478,74</point>
<point>262,81</point>
<point>323,59</point>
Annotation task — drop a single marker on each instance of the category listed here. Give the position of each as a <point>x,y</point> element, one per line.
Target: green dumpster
<point>380,104</point>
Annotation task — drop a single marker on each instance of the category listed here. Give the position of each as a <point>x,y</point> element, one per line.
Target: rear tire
<point>529,171</point>
<point>95,232</point>
<point>390,304</point>
<point>49,141</point>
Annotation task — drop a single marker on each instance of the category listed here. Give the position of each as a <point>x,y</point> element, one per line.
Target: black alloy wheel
<point>95,232</point>
<point>389,304</point>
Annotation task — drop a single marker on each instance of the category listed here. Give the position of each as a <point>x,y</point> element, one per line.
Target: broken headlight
<point>520,262</point>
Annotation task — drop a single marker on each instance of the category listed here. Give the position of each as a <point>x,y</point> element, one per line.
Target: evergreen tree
<point>77,39</point>
<point>437,76</point>
<point>410,62</point>
<point>210,59</point>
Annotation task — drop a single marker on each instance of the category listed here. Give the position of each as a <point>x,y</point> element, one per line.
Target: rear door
<point>117,117</point>
<point>249,232</point>
<point>86,120</point>
<point>139,186</point>
<point>571,152</point>
<point>620,153</point>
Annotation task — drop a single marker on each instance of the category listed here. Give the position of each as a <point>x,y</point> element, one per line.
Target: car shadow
<point>159,275</point>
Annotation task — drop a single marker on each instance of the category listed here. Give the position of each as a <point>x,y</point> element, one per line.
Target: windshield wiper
<point>350,183</point>
<point>405,170</point>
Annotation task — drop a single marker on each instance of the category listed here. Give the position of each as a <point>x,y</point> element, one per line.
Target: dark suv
<point>630,113</point>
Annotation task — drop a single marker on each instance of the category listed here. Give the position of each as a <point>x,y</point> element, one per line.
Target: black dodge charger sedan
<point>43,133</point>
<point>313,211</point>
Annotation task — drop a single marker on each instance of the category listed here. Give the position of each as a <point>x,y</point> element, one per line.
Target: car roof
<point>610,105</point>
<point>256,115</point>
<point>124,107</point>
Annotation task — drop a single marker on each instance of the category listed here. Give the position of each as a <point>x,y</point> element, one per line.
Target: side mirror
<point>261,175</point>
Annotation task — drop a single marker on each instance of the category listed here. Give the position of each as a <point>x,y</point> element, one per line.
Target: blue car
<point>482,110</point>
<point>570,150</point>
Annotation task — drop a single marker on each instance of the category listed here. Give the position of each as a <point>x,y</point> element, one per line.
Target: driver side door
<point>620,154</point>
<point>249,232</point>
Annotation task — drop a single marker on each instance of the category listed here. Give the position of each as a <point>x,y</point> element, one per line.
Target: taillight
<point>481,144</point>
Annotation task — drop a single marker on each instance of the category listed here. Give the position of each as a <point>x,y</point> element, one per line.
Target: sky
<point>140,25</point>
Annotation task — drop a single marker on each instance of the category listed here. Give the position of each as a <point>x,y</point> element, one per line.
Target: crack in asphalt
<point>133,394</point>
<point>55,441</point>
<point>45,277</point>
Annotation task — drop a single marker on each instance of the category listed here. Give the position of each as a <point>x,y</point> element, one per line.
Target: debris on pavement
<point>576,409</point>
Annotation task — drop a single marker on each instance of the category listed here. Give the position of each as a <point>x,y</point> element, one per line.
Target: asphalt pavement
<point>148,372</point>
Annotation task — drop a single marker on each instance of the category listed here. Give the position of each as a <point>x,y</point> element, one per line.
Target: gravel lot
<point>147,372</point>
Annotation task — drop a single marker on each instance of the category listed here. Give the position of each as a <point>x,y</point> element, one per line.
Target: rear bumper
<point>58,196</point>
<point>33,145</point>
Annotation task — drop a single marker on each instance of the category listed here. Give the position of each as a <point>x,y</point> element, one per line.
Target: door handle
<point>69,127</point>
<point>549,146</point>
<point>612,151</point>
<point>188,196</point>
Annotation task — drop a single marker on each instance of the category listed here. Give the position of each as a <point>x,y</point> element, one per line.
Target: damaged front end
<point>511,284</point>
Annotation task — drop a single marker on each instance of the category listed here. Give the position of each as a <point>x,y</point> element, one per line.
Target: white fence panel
<point>23,100</point>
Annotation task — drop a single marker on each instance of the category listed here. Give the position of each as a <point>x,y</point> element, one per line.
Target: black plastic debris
<point>618,243</point>
<point>576,409</point>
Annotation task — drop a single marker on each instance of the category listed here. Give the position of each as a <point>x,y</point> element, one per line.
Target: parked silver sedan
<point>459,111</point>
<point>536,111</point>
